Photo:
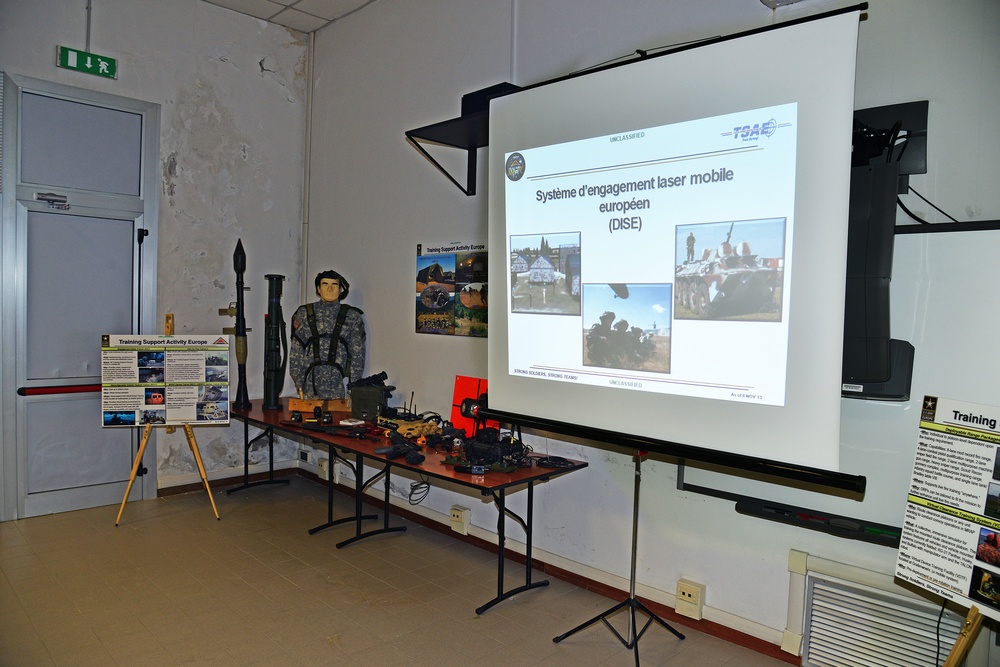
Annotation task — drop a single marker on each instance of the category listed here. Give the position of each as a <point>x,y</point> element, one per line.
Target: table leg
<point>247,442</point>
<point>500,500</point>
<point>360,486</point>
<point>358,517</point>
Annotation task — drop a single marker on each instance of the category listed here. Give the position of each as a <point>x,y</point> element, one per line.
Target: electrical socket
<point>461,517</point>
<point>324,468</point>
<point>690,599</point>
<point>343,473</point>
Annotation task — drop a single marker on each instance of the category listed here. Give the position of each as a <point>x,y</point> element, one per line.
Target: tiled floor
<point>173,586</point>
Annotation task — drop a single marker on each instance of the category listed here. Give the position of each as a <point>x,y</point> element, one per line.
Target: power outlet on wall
<point>690,599</point>
<point>461,517</point>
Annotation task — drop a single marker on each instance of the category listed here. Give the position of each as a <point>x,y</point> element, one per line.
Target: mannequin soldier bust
<point>329,341</point>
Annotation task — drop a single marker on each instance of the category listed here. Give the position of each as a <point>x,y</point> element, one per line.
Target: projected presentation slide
<point>656,259</point>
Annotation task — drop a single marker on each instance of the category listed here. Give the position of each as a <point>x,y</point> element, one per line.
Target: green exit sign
<point>91,63</point>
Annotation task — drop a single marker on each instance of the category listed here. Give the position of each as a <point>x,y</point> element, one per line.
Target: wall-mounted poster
<point>168,380</point>
<point>451,294</point>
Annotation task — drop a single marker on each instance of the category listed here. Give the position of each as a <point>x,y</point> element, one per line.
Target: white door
<point>83,230</point>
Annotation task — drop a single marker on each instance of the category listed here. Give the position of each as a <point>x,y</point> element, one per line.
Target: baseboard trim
<point>234,481</point>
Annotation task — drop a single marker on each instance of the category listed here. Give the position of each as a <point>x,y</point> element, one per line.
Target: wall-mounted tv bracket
<point>468,132</point>
<point>896,132</point>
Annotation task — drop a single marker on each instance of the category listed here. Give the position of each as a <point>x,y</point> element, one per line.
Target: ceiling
<point>302,15</point>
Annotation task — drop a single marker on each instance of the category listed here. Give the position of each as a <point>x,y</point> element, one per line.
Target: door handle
<point>58,389</point>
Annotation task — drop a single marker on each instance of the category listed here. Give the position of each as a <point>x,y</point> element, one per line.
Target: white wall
<point>232,94</point>
<point>400,65</point>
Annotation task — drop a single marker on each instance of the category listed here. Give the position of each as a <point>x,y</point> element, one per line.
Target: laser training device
<point>275,345</point>
<point>242,401</point>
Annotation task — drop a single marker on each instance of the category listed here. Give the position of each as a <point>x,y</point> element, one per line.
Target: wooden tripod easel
<point>192,443</point>
<point>168,329</point>
<point>973,620</point>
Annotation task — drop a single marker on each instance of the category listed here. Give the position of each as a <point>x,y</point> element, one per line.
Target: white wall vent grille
<point>853,625</point>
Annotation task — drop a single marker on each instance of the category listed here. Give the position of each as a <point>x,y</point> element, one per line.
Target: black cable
<point>906,142</point>
<point>910,189</point>
<point>419,491</point>
<point>909,212</point>
<point>140,236</point>
<point>937,650</point>
<point>893,137</point>
<point>644,53</point>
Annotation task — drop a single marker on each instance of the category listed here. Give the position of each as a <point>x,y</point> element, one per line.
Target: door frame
<point>15,195</point>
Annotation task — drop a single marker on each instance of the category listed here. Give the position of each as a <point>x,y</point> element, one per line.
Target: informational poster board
<point>950,543</point>
<point>451,288</point>
<point>169,380</point>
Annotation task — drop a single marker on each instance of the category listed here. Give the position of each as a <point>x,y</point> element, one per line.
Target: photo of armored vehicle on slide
<point>730,280</point>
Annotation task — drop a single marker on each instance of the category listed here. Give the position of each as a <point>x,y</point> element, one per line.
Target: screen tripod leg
<point>632,641</point>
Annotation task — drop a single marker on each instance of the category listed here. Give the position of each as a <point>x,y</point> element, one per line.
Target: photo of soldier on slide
<point>730,270</point>
<point>627,326</point>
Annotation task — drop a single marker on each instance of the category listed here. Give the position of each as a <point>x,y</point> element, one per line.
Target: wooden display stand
<point>307,405</point>
<point>192,443</point>
<point>973,620</point>
<point>168,329</point>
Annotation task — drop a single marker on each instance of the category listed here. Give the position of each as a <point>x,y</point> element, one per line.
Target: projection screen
<point>670,237</point>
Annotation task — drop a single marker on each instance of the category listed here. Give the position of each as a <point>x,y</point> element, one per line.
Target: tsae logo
<point>756,131</point>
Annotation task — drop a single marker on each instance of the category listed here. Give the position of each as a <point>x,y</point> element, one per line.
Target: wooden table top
<point>433,465</point>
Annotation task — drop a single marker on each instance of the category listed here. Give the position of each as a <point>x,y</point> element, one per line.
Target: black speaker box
<point>366,402</point>
<point>869,271</point>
